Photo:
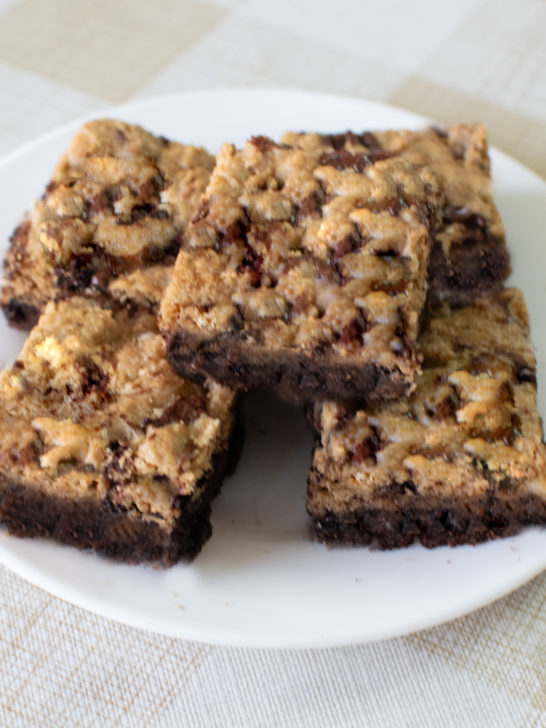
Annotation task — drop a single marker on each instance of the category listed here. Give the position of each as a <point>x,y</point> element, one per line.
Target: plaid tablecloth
<point>470,60</point>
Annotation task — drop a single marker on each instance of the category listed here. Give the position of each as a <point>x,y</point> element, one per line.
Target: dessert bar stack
<point>358,274</point>
<point>304,271</point>
<point>363,273</point>
<point>102,445</point>
<point>460,460</point>
<point>109,222</point>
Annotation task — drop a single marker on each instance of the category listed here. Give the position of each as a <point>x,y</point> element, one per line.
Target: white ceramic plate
<point>259,582</point>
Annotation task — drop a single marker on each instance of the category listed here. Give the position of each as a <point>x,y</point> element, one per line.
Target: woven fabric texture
<point>471,60</point>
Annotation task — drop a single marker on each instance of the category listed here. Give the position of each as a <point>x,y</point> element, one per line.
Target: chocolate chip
<point>367,449</point>
<point>51,187</point>
<point>387,254</point>
<point>426,212</point>
<point>251,264</point>
<point>310,204</point>
<point>432,453</point>
<point>99,280</point>
<point>524,373</point>
<point>481,364</point>
<point>75,277</point>
<point>506,394</point>
<point>343,159</point>
<point>147,192</point>
<point>261,232</point>
<point>98,203</point>
<point>447,407</point>
<point>235,232</point>
<point>468,218</point>
<point>394,205</point>
<point>185,409</point>
<point>263,143</point>
<point>352,241</point>
<point>139,212</point>
<point>337,141</point>
<point>20,315</point>
<point>354,330</point>
<point>27,454</point>
<point>370,140</point>
<point>93,378</point>
<point>202,211</point>
<point>120,136</point>
<point>345,412</point>
<point>323,269</point>
<point>458,151</point>
<point>113,193</point>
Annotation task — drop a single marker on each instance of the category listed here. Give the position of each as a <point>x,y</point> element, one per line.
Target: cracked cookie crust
<point>459,461</point>
<point>469,257</point>
<point>102,445</point>
<point>109,222</point>
<point>304,270</point>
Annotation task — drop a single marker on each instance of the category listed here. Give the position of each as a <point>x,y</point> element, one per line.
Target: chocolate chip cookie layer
<point>469,257</point>
<point>304,271</point>
<point>459,461</point>
<point>109,222</point>
<point>102,445</point>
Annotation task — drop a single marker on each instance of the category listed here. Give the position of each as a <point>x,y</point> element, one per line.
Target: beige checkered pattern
<point>469,60</point>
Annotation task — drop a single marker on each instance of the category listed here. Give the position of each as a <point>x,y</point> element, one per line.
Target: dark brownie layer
<point>111,529</point>
<point>473,268</point>
<point>467,273</point>
<point>434,523</point>
<point>293,375</point>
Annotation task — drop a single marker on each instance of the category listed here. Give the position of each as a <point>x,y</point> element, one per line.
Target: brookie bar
<point>304,270</point>
<point>101,445</point>
<point>469,257</point>
<point>459,461</point>
<point>109,222</point>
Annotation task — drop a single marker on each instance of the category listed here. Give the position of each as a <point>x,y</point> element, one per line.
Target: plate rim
<point>210,635</point>
<point>106,112</point>
<point>99,605</point>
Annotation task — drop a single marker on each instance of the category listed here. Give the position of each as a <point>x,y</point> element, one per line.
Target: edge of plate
<point>61,589</point>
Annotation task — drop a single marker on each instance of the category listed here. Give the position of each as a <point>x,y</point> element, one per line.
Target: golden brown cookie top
<point>457,154</point>
<point>119,201</point>
<point>91,405</point>
<point>297,247</point>
<point>470,423</point>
